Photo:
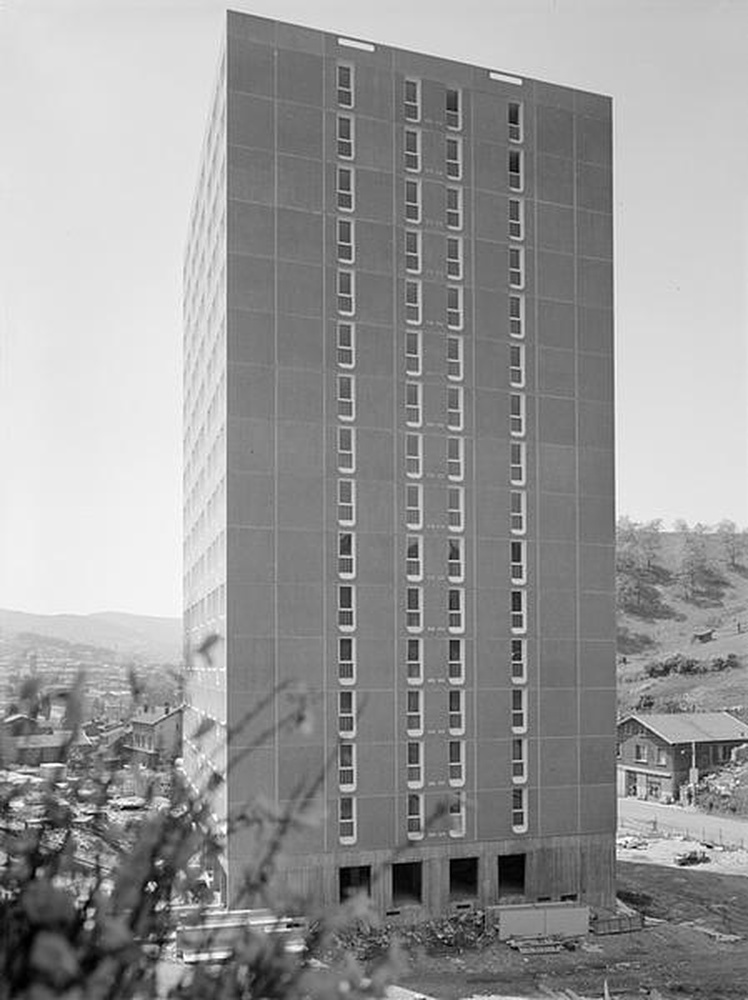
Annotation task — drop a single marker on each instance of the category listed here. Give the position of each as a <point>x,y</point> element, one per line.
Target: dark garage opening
<point>406,883</point>
<point>511,875</point>
<point>463,877</point>
<point>355,880</point>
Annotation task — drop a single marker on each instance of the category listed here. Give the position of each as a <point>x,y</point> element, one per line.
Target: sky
<point>102,109</point>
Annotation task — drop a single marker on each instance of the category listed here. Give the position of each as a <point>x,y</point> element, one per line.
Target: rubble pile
<point>460,932</point>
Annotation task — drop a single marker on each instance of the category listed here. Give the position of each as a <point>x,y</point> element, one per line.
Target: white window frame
<point>518,512</point>
<point>453,164</point>
<point>346,398</point>
<point>346,344</point>
<point>347,560</point>
<point>455,459</point>
<point>347,612</point>
<point>413,404</point>
<point>457,820</point>
<point>412,158</point>
<point>415,816</point>
<point>346,241</point>
<point>413,208</point>
<point>454,258</point>
<point>346,292</point>
<point>518,660</point>
<point>455,307</point>
<point>517,366</point>
<point>518,611</point>
<point>347,766</point>
<point>455,566</point>
<point>414,660</point>
<point>414,456</point>
<point>345,145</point>
<point>413,358</point>
<point>518,561</point>
<point>346,662</point>
<point>347,713</point>
<point>344,505</point>
<point>517,463</point>
<point>414,763</point>
<point>413,301</point>
<point>456,763</point>
<point>456,610</point>
<point>345,196</point>
<point>456,711</point>
<point>519,810</point>
<point>453,116</point>
<point>345,93</point>
<point>517,316</point>
<point>455,407</point>
<point>455,366</point>
<point>454,216</point>
<point>455,660</point>
<point>456,515</point>
<point>412,105</point>
<point>517,414</point>
<point>519,760</point>
<point>519,710</point>
<point>413,251</point>
<point>347,838</point>
<point>414,562</point>
<point>414,712</point>
<point>514,128</point>
<point>516,218</point>
<point>414,609</point>
<point>515,157</point>
<point>414,490</point>
<point>346,455</point>
<point>516,267</point>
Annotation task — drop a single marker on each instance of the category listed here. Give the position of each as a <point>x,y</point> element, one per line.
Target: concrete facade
<point>399,466</point>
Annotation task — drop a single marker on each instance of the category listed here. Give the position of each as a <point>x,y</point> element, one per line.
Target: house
<point>155,736</point>
<point>659,756</point>
<point>47,748</point>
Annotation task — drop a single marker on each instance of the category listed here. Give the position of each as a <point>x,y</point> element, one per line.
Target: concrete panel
<point>300,183</point>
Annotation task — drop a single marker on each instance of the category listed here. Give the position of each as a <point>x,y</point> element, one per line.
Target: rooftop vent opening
<point>353,43</point>
<point>505,78</point>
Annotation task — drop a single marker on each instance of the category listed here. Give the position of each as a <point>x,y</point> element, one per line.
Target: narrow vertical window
<point>346,554</point>
<point>414,609</point>
<point>456,610</point>
<point>346,355</point>
<point>454,257</point>
<point>455,561</point>
<point>347,767</point>
<point>516,218</point>
<point>346,253</point>
<point>518,512</point>
<point>519,810</point>
<point>414,754</point>
<point>455,459</point>
<point>519,710</point>
<point>414,557</point>
<point>517,316</point>
<point>455,508</point>
<point>347,820</point>
<point>412,251</point>
<point>454,359</point>
<point>413,404</point>
<point>345,189</point>
<point>457,815</point>
<point>456,661</point>
<point>454,307</point>
<point>456,711</point>
<point>413,302</point>
<point>514,121</point>
<point>346,449</point>
<point>346,397</point>
<point>412,150</point>
<point>346,501</point>
<point>515,170</point>
<point>517,414</point>
<point>518,563</point>
<point>516,267</point>
<point>345,85</point>
<point>412,100</point>
<point>517,366</point>
<point>517,463</point>
<point>414,661</point>
<point>413,352</point>
<point>413,201</point>
<point>519,761</point>
<point>454,208</point>
<point>519,660</point>
<point>345,137</point>
<point>346,608</point>
<point>456,755</point>
<point>414,712</point>
<point>455,407</point>
<point>414,455</point>
<point>454,158</point>
<point>346,293</point>
<point>519,610</point>
<point>346,659</point>
<point>347,713</point>
<point>415,817</point>
<point>453,111</point>
<point>414,506</point>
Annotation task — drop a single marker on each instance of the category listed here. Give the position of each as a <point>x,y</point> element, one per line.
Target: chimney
<point>167,708</point>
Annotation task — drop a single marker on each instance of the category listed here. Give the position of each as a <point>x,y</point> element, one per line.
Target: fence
<point>693,829</point>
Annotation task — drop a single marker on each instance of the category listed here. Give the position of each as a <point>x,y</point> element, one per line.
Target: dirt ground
<point>677,957</point>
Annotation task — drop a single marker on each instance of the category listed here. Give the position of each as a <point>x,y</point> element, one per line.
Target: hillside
<point>663,626</point>
<point>140,637</point>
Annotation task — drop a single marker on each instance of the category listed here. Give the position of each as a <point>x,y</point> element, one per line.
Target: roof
<point>60,738</point>
<point>692,727</point>
<point>154,715</point>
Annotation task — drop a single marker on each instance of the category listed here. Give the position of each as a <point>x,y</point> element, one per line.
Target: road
<point>641,816</point>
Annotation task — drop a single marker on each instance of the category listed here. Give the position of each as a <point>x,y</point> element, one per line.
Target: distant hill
<point>141,637</point>
<point>665,625</point>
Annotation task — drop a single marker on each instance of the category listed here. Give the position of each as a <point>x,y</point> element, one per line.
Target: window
<point>413,302</point>
<point>455,508</point>
<point>517,316</point>
<point>517,267</point>
<point>346,659</point>
<point>516,218</point>
<point>455,407</point>
<point>517,414</point>
<point>455,661</point>
<point>453,111</point>
<point>455,459</point>
<point>415,817</point>
<point>454,158</point>
<point>518,562</point>
<point>454,257</point>
<point>407,882</point>
<point>346,608</point>
<point>662,756</point>
<point>412,251</point>
<point>347,767</point>
<point>414,557</point>
<point>345,137</point>
<point>414,756</point>
<point>345,293</point>
<point>515,169</point>
<point>347,820</point>
<point>455,562</point>
<point>414,506</point>
<point>519,710</point>
<point>517,365</point>
<point>519,661</point>
<point>414,455</point>
<point>414,661</point>
<point>454,208</point>
<point>412,101</point>
<point>517,463</point>
<point>454,359</point>
<point>456,711</point>
<point>518,512</point>
<point>414,711</point>
<point>640,754</point>
<point>414,609</point>
<point>412,150</point>
<point>345,241</point>
<point>346,449</point>
<point>346,397</point>
<point>345,85</point>
<point>519,610</point>
<point>511,875</point>
<point>346,192</point>
<point>347,713</point>
<point>346,355</point>
<point>347,554</point>
<point>346,501</point>
<point>413,201</point>
<point>354,881</point>
<point>514,121</point>
<point>457,815</point>
<point>456,610</point>
<point>413,352</point>
<point>454,307</point>
<point>519,810</point>
<point>413,404</point>
<point>456,754</point>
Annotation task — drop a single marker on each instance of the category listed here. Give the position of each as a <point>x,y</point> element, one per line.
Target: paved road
<point>640,815</point>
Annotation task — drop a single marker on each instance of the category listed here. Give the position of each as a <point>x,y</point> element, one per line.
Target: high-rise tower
<point>399,464</point>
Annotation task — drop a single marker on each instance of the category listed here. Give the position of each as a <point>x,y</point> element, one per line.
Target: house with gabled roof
<point>659,756</point>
